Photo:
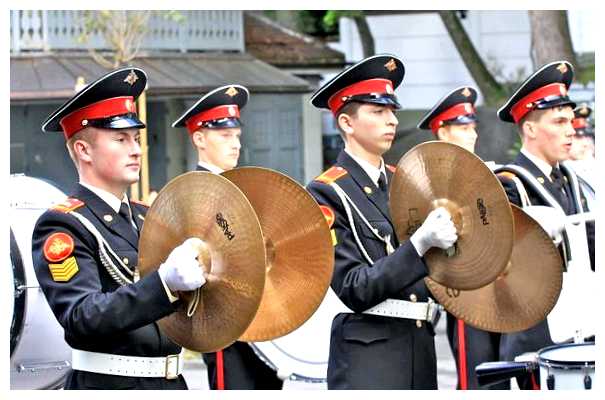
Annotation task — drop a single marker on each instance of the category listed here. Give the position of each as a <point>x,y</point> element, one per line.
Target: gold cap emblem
<point>131,78</point>
<point>391,65</point>
<point>231,91</point>
<point>466,92</point>
<point>562,68</point>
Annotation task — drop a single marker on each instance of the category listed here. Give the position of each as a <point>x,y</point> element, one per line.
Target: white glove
<point>182,271</point>
<point>551,219</point>
<point>438,230</point>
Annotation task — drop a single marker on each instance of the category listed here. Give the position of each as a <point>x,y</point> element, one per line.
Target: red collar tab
<point>369,86</point>
<point>579,123</point>
<point>451,113</point>
<point>78,120</point>
<point>526,104</point>
<point>224,111</point>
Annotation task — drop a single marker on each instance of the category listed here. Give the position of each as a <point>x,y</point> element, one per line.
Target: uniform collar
<point>212,168</point>
<point>107,197</point>
<point>542,165</point>
<point>372,171</point>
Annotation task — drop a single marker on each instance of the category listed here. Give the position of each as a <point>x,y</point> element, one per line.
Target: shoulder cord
<point>533,182</point>
<point>575,186</point>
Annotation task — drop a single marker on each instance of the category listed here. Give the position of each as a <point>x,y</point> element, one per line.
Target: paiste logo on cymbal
<point>466,92</point>
<point>562,68</point>
<point>391,65</point>
<point>131,78</point>
<point>231,91</point>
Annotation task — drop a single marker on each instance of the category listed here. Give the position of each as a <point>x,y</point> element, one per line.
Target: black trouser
<point>481,346</point>
<point>242,369</point>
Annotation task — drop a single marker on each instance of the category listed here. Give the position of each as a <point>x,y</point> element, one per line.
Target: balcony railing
<point>47,30</point>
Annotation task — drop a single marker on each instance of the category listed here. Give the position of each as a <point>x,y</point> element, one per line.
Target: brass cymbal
<point>300,256</point>
<point>522,295</point>
<point>435,174</point>
<point>211,208</point>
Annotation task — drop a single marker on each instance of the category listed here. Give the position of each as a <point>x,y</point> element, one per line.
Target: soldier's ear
<point>529,129</point>
<point>82,150</point>
<point>344,122</point>
<point>199,139</point>
<point>443,134</point>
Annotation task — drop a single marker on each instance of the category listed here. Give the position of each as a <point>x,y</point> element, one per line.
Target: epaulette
<point>139,203</point>
<point>331,175</point>
<point>506,174</point>
<point>391,168</point>
<point>68,205</point>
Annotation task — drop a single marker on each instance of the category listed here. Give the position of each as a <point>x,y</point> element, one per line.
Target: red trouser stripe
<point>462,356</point>
<point>534,384</point>
<point>220,371</point>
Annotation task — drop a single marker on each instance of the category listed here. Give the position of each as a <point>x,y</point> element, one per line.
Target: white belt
<point>406,309</point>
<point>169,367</point>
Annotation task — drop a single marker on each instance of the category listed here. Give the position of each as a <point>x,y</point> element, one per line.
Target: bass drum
<point>39,356</point>
<point>567,366</point>
<point>302,355</point>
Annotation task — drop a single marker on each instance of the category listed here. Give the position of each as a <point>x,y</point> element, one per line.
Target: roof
<point>283,47</point>
<point>53,76</point>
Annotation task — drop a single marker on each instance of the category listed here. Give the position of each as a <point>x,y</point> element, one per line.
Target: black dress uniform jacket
<point>537,337</point>
<point>243,370</point>
<point>98,314</point>
<point>368,351</point>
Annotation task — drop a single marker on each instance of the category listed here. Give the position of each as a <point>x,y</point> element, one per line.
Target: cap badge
<point>466,92</point>
<point>389,88</point>
<point>131,78</point>
<point>231,91</point>
<point>583,111</point>
<point>391,65</point>
<point>562,68</point>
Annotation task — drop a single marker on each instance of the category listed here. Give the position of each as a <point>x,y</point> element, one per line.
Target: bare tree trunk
<point>550,38</point>
<point>365,35</point>
<point>493,92</point>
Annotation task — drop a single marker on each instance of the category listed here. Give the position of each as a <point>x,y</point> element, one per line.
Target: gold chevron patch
<point>64,271</point>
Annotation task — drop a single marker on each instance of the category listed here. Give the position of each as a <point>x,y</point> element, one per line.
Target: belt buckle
<point>433,312</point>
<point>171,369</point>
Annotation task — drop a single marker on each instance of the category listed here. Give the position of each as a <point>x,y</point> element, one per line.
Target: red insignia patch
<point>328,215</point>
<point>58,247</point>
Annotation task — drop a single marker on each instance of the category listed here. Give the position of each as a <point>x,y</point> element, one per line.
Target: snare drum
<point>302,355</point>
<point>567,366</point>
<point>39,354</point>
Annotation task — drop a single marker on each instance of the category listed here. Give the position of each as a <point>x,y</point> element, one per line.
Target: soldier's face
<point>581,148</point>
<point>372,127</point>
<point>552,134</point>
<point>115,156</point>
<point>464,135</point>
<point>221,147</point>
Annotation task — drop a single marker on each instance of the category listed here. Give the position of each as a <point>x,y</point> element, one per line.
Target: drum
<point>567,366</point>
<point>38,353</point>
<point>302,355</point>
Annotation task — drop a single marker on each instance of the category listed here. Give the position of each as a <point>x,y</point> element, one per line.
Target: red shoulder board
<point>331,175</point>
<point>139,203</point>
<point>391,168</point>
<point>68,205</point>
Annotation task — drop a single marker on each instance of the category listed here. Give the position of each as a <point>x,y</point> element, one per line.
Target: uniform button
<point>125,260</point>
<point>413,298</point>
<point>367,189</point>
<point>107,217</point>
<point>418,323</point>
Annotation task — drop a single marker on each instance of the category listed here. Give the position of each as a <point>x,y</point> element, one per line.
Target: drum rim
<point>17,324</point>
<point>543,361</point>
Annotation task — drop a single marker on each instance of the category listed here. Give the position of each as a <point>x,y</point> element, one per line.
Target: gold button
<point>125,260</point>
<point>418,323</point>
<point>413,298</point>
<point>84,122</point>
<point>367,189</point>
<point>107,217</point>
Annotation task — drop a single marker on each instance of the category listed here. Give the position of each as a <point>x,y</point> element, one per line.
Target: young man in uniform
<point>538,180</point>
<point>214,127</point>
<point>387,341</point>
<point>85,250</point>
<point>453,120</point>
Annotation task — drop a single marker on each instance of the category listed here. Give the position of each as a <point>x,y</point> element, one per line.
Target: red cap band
<point>78,120</point>
<point>578,123</point>
<point>223,111</point>
<point>526,104</point>
<point>451,113</point>
<point>369,86</point>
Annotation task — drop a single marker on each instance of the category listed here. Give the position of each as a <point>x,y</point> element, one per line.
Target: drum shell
<point>40,357</point>
<point>568,364</point>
